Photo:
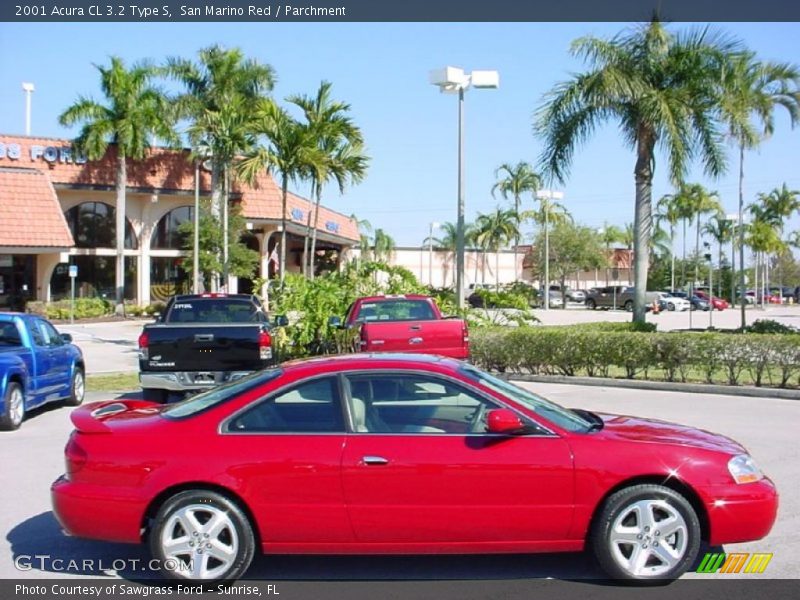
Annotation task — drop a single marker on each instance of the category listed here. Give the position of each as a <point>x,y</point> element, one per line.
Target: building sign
<point>297,214</point>
<point>332,226</point>
<point>50,154</point>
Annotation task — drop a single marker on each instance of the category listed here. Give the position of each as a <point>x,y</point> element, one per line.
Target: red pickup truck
<point>409,323</point>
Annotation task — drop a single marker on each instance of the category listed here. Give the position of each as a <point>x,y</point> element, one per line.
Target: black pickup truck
<point>202,341</point>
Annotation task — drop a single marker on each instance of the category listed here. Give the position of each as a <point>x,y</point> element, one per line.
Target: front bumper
<point>741,513</point>
<point>188,381</point>
<point>97,512</point>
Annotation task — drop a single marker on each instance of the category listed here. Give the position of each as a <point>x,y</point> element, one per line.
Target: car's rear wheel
<point>77,388</point>
<point>591,304</point>
<point>13,407</point>
<point>629,305</point>
<point>202,535</point>
<point>646,533</point>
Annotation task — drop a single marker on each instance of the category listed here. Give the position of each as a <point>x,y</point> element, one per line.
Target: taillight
<point>465,333</point>
<point>264,345</point>
<point>74,456</point>
<point>144,343</point>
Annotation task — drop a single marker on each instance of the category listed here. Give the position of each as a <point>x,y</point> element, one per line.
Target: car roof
<point>366,361</point>
<point>393,297</point>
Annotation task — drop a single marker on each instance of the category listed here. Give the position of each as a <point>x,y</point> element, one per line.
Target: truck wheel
<point>646,533</point>
<point>14,407</point>
<point>155,395</point>
<point>202,535</point>
<point>77,388</point>
<point>629,305</point>
<point>591,304</point>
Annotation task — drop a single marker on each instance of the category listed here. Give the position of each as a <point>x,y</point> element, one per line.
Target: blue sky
<point>410,128</point>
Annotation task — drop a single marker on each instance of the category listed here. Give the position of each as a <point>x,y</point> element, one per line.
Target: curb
<point>663,386</point>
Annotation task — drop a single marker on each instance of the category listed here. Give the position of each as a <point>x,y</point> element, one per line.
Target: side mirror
<point>502,420</point>
<point>281,321</point>
<point>335,323</point>
<point>66,337</point>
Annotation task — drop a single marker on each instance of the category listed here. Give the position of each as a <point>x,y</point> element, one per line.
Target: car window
<point>9,335</point>
<point>36,334</point>
<point>50,334</point>
<point>310,407</point>
<point>395,310</point>
<point>414,403</point>
<point>214,310</point>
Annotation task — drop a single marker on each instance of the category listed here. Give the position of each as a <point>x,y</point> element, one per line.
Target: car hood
<point>637,429</point>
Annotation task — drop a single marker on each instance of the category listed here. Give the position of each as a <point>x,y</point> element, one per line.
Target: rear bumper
<point>95,512</point>
<point>741,513</point>
<point>188,381</point>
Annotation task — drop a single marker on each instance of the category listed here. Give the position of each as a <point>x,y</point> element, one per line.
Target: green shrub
<point>569,350</point>
<point>769,326</point>
<point>503,299</point>
<point>85,308</point>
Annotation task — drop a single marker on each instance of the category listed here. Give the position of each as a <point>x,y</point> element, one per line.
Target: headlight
<point>743,469</point>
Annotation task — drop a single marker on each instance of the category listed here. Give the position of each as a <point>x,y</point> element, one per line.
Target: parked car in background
<point>696,302</point>
<point>405,323</point>
<point>555,299</point>
<point>401,454</point>
<point>578,296</point>
<point>669,302</point>
<point>201,341</point>
<point>715,302</point>
<point>618,297</point>
<point>37,365</point>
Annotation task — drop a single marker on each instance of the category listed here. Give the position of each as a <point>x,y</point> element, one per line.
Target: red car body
<point>715,302</point>
<point>440,493</point>
<point>407,323</point>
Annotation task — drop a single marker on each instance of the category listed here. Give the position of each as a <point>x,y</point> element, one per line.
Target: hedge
<point>84,308</point>
<point>762,359</point>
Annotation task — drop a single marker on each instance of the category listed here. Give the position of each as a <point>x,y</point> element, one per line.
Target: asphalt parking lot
<point>32,458</point>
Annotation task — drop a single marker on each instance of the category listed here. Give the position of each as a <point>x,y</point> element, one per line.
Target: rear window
<point>206,400</point>
<point>9,334</point>
<point>395,310</point>
<point>215,310</point>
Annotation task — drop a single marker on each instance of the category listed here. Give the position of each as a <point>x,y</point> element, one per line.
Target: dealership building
<point>58,210</point>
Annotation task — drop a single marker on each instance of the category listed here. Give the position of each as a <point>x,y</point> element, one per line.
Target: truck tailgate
<point>445,337</point>
<point>195,347</point>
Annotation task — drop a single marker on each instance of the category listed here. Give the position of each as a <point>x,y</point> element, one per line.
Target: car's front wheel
<point>77,388</point>
<point>671,306</point>
<point>646,533</point>
<point>591,304</point>
<point>202,535</point>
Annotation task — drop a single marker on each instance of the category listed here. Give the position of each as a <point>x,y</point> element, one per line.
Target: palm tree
<point>763,238</point>
<point>447,242</point>
<point>495,230</point>
<point>135,113</point>
<point>700,202</point>
<point>669,211</point>
<point>383,246</point>
<point>364,229</point>
<point>514,181</point>
<point>774,209</point>
<point>720,228</point>
<point>662,88</point>
<point>290,149</point>
<point>751,90</point>
<point>341,144</point>
<point>610,234</point>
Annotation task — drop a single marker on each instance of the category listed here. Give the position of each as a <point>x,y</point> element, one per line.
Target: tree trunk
<point>306,259</point>
<point>672,256</point>
<point>122,182</point>
<point>683,263</point>
<point>497,270</point>
<point>697,256</point>
<point>642,221</point>
<point>284,195</point>
<point>217,194</point>
<point>516,240</point>
<point>312,259</point>
<point>741,233</point>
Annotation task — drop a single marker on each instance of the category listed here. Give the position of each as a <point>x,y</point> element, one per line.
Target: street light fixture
<point>547,195</point>
<point>28,89</point>
<point>453,80</point>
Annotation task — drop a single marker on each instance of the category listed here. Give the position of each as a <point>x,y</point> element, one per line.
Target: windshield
<point>554,413</point>
<point>215,310</point>
<point>206,400</point>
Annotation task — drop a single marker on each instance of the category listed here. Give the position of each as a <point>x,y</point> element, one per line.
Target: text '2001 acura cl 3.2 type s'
<point>400,454</point>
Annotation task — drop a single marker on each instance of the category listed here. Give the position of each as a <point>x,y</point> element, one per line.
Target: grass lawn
<point>112,382</point>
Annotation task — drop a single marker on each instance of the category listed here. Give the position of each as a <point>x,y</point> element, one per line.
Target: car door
<point>418,467</point>
<point>60,359</point>
<point>42,375</point>
<point>292,440</point>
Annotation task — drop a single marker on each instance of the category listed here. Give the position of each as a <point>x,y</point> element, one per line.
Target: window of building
<point>167,234</point>
<point>96,278</point>
<point>167,278</point>
<point>94,225</point>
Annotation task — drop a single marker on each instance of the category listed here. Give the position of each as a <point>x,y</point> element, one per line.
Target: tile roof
<point>165,170</point>
<point>30,214</point>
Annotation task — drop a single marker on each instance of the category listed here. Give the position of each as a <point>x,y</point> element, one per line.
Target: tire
<point>628,305</point>
<point>634,517</point>
<point>671,307</point>
<point>155,395</point>
<point>13,407</point>
<point>229,547</point>
<point>77,390</point>
<point>591,304</point>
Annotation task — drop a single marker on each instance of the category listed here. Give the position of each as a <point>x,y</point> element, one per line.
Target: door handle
<point>415,327</point>
<point>374,460</point>
<point>204,337</point>
<point>415,340</point>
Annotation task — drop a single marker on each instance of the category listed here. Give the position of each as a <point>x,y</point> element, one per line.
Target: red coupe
<point>366,454</point>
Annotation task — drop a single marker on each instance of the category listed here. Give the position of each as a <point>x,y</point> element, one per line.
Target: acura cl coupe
<point>400,454</point>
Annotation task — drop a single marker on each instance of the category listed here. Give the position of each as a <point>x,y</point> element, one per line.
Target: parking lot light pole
<point>708,257</point>
<point>452,80</point>
<point>546,196</point>
<point>434,225</point>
